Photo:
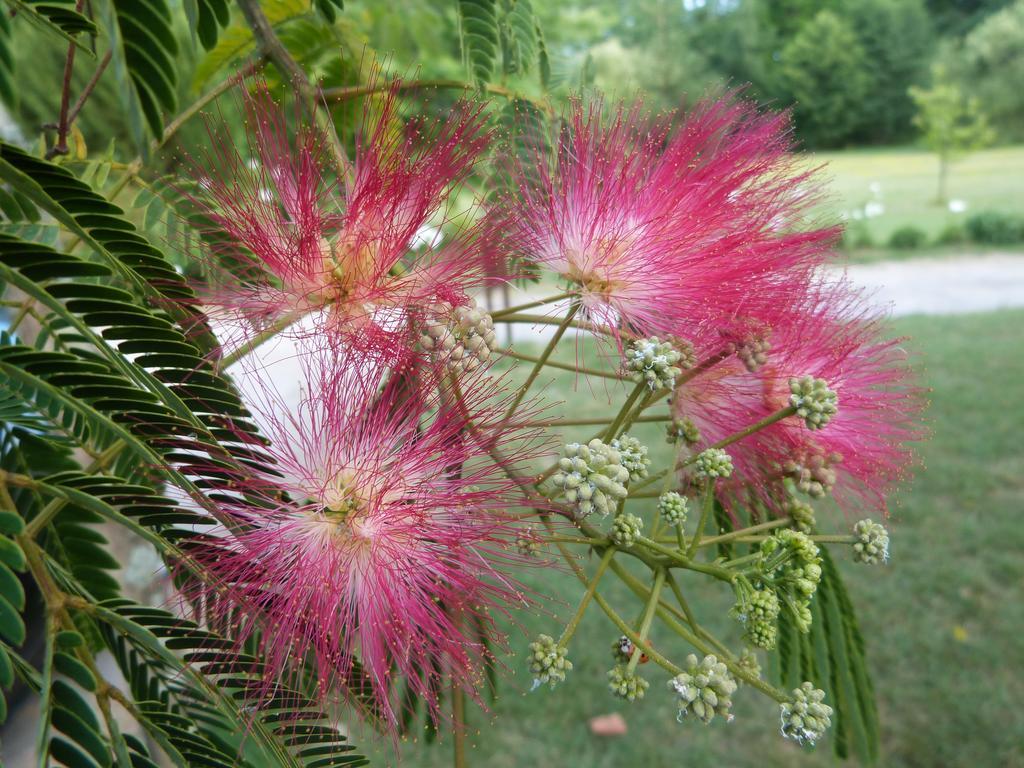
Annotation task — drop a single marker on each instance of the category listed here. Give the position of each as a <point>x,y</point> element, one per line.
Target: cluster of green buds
<point>758,610</point>
<point>704,690</point>
<point>815,403</point>
<point>633,455</point>
<point>672,508</point>
<point>655,362</point>
<point>753,353</point>
<point>682,429</point>
<point>591,477</point>
<point>626,529</point>
<point>626,684</point>
<point>872,545</point>
<point>806,717</point>
<point>463,336</point>
<point>527,544</point>
<point>813,473</point>
<point>748,663</point>
<point>548,661</point>
<point>792,561</point>
<point>711,464</point>
<point>802,514</point>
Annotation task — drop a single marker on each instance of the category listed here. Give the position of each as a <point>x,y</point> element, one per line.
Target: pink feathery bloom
<point>374,548</point>
<point>292,239</point>
<point>860,455</point>
<point>700,224</point>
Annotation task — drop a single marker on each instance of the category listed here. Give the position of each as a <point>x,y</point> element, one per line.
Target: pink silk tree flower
<point>373,550</point>
<point>863,450</point>
<point>655,223</point>
<point>291,239</point>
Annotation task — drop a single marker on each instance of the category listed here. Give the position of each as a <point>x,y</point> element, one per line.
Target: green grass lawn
<point>906,180</point>
<point>943,621</point>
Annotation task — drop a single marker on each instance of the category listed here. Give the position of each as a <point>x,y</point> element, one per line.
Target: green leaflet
<point>831,656</point>
<point>478,30</point>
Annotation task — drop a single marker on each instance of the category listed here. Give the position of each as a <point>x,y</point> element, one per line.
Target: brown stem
<point>60,147</point>
<point>87,91</point>
<point>272,47</point>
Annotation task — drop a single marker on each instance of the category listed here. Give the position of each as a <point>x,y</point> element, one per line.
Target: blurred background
<point>915,110</point>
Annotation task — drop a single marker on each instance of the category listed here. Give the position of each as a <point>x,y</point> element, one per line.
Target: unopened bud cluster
<point>626,684</point>
<point>793,560</point>
<point>633,455</point>
<point>548,661</point>
<point>753,353</point>
<point>463,336</point>
<point>527,544</point>
<point>813,473</point>
<point>683,429</point>
<point>626,530</point>
<point>591,477</point>
<point>712,464</point>
<point>652,361</point>
<point>704,690</point>
<point>802,514</point>
<point>806,717</point>
<point>759,613</point>
<point>672,508</point>
<point>872,545</point>
<point>815,403</point>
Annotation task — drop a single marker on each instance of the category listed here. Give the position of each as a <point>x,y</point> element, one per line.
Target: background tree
<point>993,66</point>
<point>951,123</point>
<point>824,68</point>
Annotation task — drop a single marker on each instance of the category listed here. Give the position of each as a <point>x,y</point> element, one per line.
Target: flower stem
<point>562,328</point>
<point>645,623</point>
<point>556,364</point>
<point>624,411</point>
<point>771,524</point>
<point>574,622</point>
<point>259,339</point>
<point>767,421</point>
<point>531,304</point>
<point>705,513</point>
<point>685,562</point>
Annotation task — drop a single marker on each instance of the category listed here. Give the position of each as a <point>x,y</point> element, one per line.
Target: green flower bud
<point>462,336</point>
<point>760,613</point>
<point>672,508</point>
<point>683,429</point>
<point>813,473</point>
<point>655,362</point>
<point>806,717</point>
<point>626,529</point>
<point>872,545</point>
<point>527,544</point>
<point>633,455</point>
<point>591,477</point>
<point>548,661</point>
<point>712,464</point>
<point>704,690</point>
<point>749,664</point>
<point>802,514</point>
<point>753,353</point>
<point>815,403</point>
<point>798,574</point>
<point>625,684</point>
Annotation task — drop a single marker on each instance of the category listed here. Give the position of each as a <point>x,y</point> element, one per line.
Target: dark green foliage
<point>995,228</point>
<point>206,17</point>
<point>824,71</point>
<point>329,8</point>
<point>897,39</point>
<point>831,657</point>
<point>478,26</point>
<point>907,238</point>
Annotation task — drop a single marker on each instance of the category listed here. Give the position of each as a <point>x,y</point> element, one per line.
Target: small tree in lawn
<point>951,122</point>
